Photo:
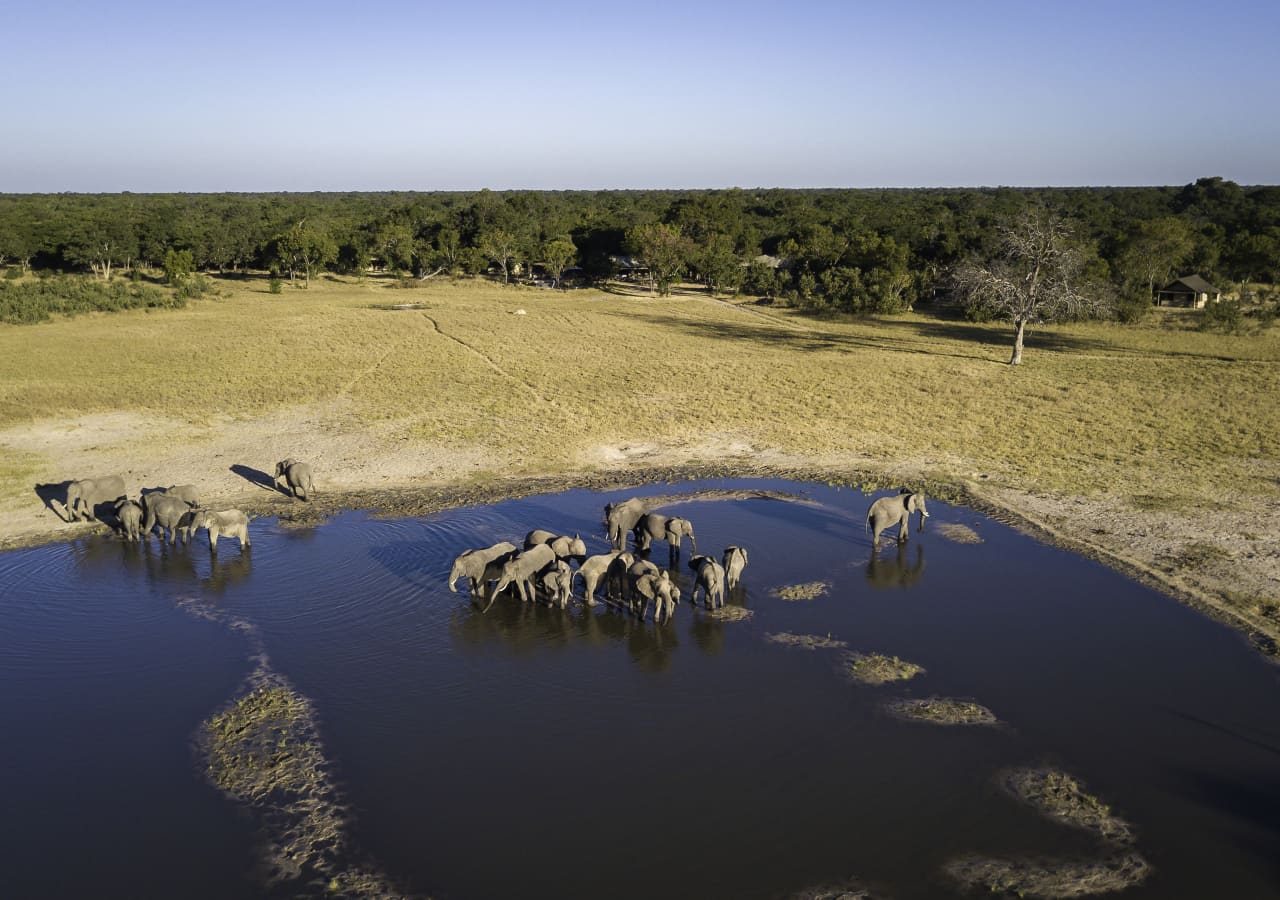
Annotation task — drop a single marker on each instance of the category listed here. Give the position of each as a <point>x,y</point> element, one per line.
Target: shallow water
<point>531,752</point>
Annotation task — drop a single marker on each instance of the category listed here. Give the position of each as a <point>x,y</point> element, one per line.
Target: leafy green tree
<point>103,241</point>
<point>305,248</point>
<point>1156,248</point>
<point>663,250</point>
<point>557,255</point>
<point>178,265</point>
<point>719,265</point>
<point>1032,279</point>
<point>501,247</point>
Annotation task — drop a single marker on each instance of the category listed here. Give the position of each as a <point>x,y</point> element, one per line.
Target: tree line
<point>853,250</point>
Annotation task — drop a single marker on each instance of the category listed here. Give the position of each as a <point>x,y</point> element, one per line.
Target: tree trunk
<point>1020,328</point>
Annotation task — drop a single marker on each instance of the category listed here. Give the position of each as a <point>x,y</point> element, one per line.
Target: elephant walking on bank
<point>621,517</point>
<point>735,560</point>
<point>228,523</point>
<point>297,475</point>
<point>887,511</point>
<point>471,564</point>
<point>169,512</point>
<point>709,577</point>
<point>84,496</point>
<point>129,514</point>
<point>672,529</point>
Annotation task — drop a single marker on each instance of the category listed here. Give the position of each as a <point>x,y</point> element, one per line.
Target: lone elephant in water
<point>129,514</point>
<point>621,517</point>
<point>472,563</point>
<point>297,475</point>
<point>887,511</point>
<point>227,523</point>
<point>85,495</point>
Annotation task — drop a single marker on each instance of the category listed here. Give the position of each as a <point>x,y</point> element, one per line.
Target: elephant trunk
<point>454,574</point>
<point>693,541</point>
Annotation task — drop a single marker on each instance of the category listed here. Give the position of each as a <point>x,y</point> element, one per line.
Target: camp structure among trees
<point>1190,290</point>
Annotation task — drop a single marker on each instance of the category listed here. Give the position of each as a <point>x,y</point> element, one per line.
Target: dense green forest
<point>853,250</point>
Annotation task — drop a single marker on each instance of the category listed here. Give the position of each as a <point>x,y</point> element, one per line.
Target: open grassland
<point>1140,441</point>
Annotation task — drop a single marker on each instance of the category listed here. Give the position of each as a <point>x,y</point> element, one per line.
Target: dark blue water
<point>531,752</point>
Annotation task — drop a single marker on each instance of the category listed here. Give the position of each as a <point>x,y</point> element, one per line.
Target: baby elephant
<point>735,560</point>
<point>557,582</point>
<point>228,523</point>
<point>709,577</point>
<point>887,511</point>
<point>129,514</point>
<point>297,475</point>
<point>562,545</point>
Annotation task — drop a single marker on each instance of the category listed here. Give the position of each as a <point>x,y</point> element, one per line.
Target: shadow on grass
<point>257,477</point>
<point>57,491</point>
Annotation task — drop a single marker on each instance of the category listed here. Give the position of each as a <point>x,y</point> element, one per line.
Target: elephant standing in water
<point>887,511</point>
<point>228,523</point>
<point>186,492</point>
<point>656,587</point>
<point>709,577</point>
<point>619,518</point>
<point>472,563</point>
<point>672,529</point>
<point>593,570</point>
<point>170,513</point>
<point>129,514</point>
<point>562,545</point>
<point>85,495</point>
<point>735,560</point>
<point>297,475</point>
<point>557,583</point>
<point>522,570</point>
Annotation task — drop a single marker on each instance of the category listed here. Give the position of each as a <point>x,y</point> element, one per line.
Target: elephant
<point>557,582</point>
<point>735,560</point>
<point>129,514</point>
<point>616,574</point>
<point>187,492</point>
<point>619,518</point>
<point>297,475</point>
<point>709,576</point>
<point>170,513</point>
<point>492,572</point>
<point>639,568</point>
<point>888,510</point>
<point>593,570</point>
<point>672,529</point>
<point>227,523</point>
<point>565,547</point>
<point>472,563</point>
<point>522,569</point>
<point>658,588</point>
<point>84,496</point>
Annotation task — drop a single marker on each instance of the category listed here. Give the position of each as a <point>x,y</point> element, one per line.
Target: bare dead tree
<point>1034,278</point>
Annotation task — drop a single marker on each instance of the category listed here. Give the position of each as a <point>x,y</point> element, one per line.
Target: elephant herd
<point>545,565</point>
<point>175,510</point>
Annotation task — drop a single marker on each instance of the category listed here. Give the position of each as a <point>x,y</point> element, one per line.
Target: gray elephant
<point>659,589</point>
<point>593,570</point>
<point>619,518</point>
<point>709,578</point>
<point>887,511</point>
<point>85,495</point>
<point>188,492</point>
<point>230,523</point>
<point>557,582</point>
<point>735,560</point>
<point>129,514</point>
<point>522,570</point>
<point>492,572</point>
<point>170,513</point>
<point>297,475</point>
<point>616,574</point>
<point>638,570</point>
<point>471,565</point>
<point>657,527</point>
<point>565,547</point>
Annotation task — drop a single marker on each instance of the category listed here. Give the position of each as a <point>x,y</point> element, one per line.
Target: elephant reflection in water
<point>901,569</point>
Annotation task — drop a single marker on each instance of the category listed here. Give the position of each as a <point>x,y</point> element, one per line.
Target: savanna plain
<point>1155,447</point>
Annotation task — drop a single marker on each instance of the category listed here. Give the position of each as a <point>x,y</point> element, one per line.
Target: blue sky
<point>146,96</point>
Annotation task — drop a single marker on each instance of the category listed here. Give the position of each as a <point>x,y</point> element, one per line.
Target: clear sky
<point>382,94</point>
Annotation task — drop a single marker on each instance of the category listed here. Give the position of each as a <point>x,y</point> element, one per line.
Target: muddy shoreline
<point>408,500</point>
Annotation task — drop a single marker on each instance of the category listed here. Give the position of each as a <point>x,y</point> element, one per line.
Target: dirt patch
<point>728,614</point>
<point>877,669</point>
<point>957,533</point>
<point>941,711</point>
<point>263,750</point>
<point>809,590</point>
<point>805,641</point>
<point>1049,878</point>
<point>1063,799</point>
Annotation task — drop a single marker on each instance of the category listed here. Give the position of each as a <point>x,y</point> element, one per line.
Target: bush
<point>194,287</point>
<point>1132,308</point>
<point>1225,316</point>
<point>35,301</point>
<point>274,284</point>
<point>13,273</point>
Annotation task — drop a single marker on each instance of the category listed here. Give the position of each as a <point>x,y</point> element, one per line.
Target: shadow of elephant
<point>898,572</point>
<point>257,477</point>
<point>55,493</point>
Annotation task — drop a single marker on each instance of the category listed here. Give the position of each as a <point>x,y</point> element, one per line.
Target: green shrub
<point>13,273</point>
<point>275,285</point>
<point>1225,316</point>
<point>35,301</point>
<point>1132,308</point>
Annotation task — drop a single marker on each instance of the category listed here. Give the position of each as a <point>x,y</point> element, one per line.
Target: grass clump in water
<point>805,641</point>
<point>876,668</point>
<point>809,590</point>
<point>846,890</point>
<point>957,533</point>
<point>1049,878</point>
<point>728,614</point>
<point>942,711</point>
<point>1063,798</point>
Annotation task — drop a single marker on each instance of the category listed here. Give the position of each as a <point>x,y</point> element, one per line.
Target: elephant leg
<point>244,538</point>
<point>904,527</point>
<point>213,540</point>
<point>589,583</point>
